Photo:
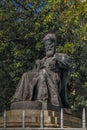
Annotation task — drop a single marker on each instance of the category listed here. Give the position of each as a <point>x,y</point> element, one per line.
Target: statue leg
<point>52,81</point>
<point>63,93</point>
<point>42,92</point>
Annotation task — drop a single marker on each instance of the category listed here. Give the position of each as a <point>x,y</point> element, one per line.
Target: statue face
<point>50,47</point>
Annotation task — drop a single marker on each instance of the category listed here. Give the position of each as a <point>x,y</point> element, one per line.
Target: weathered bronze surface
<point>47,82</point>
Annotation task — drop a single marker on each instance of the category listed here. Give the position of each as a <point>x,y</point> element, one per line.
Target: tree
<point>23,26</point>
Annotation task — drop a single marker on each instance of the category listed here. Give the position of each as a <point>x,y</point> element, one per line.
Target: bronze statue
<point>48,79</point>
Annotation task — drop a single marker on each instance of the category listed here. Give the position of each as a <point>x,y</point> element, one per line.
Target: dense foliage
<point>23,26</point>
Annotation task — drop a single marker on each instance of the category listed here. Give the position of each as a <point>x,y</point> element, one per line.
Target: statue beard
<point>50,52</point>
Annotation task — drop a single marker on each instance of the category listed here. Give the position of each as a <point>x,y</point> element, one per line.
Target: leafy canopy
<point>23,26</point>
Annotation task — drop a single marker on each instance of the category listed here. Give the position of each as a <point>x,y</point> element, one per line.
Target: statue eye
<point>47,42</point>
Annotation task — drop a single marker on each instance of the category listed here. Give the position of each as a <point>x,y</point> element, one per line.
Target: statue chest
<point>50,63</point>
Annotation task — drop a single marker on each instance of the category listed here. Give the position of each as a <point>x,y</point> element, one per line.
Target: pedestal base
<point>33,119</point>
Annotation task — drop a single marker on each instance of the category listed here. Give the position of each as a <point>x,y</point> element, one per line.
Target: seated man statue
<point>48,79</point>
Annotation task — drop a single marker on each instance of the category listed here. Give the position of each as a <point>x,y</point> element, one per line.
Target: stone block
<point>14,118</point>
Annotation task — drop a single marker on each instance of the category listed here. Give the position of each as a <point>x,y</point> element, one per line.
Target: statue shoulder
<point>36,65</point>
<point>62,55</point>
<point>64,59</point>
<point>39,63</point>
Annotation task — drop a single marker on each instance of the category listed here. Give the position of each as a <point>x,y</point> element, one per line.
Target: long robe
<point>47,81</point>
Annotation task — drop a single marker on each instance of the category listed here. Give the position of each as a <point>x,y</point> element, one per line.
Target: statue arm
<point>64,63</point>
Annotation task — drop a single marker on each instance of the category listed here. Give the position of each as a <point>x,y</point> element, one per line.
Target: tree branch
<point>21,4</point>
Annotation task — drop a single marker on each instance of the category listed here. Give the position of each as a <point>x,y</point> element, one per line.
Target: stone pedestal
<point>32,119</point>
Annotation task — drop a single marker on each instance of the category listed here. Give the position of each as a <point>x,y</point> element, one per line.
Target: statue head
<point>50,43</point>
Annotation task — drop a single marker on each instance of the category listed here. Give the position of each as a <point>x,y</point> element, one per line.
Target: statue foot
<point>16,100</point>
<point>39,101</point>
<point>67,111</point>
